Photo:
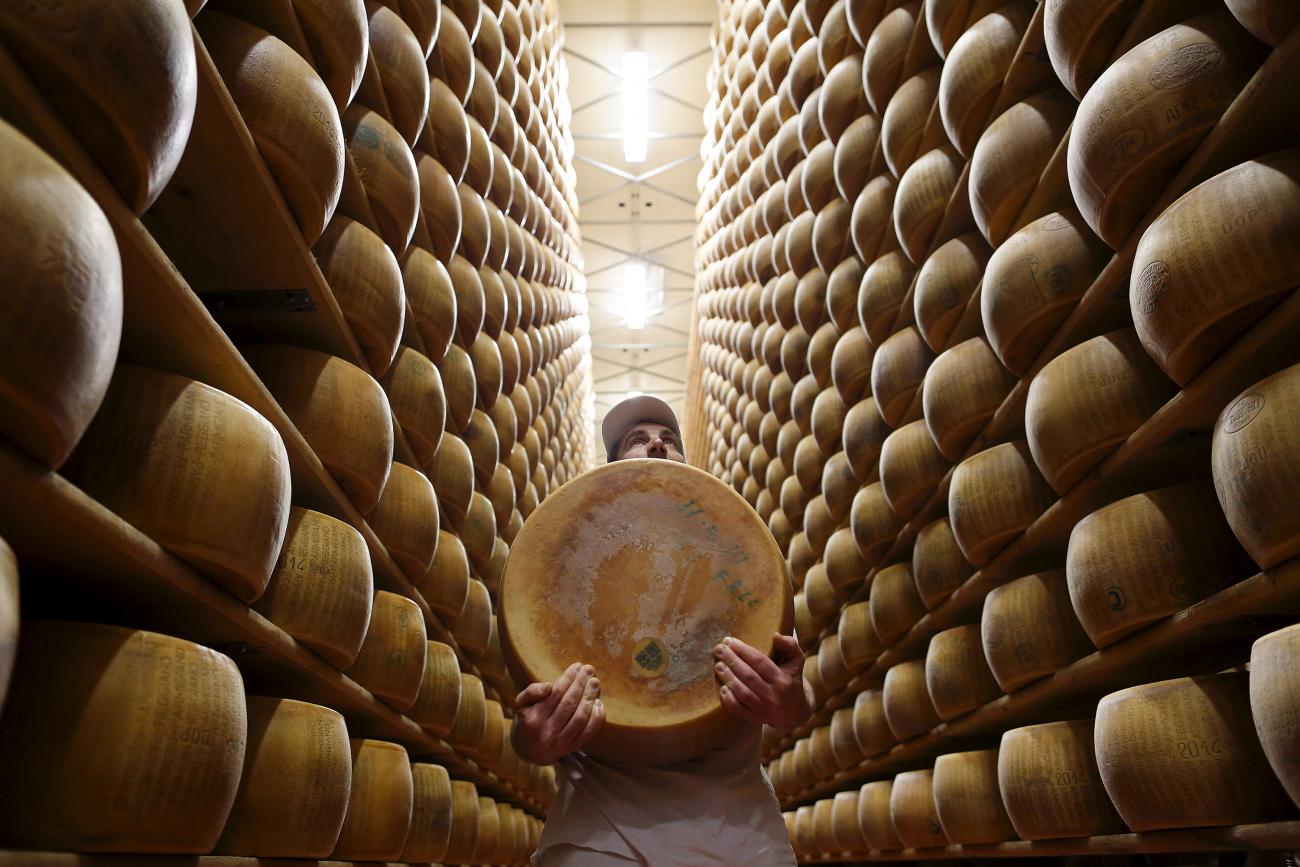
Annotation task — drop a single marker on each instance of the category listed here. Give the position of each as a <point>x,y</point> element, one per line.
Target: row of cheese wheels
<point>1034,625</point>
<point>1180,753</point>
<point>196,766</point>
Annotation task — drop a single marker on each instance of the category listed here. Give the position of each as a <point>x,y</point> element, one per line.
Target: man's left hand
<point>759,689</point>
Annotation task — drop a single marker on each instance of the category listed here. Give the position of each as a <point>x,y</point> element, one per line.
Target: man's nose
<point>657,447</point>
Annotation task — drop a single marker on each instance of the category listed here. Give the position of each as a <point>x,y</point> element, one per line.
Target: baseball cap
<point>634,410</point>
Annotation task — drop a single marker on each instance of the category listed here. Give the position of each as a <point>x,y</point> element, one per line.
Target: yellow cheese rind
<point>923,194</point>
<point>1081,36</point>
<point>897,372</point>
<point>61,311</point>
<point>895,604</point>
<point>938,565</point>
<point>366,282</point>
<point>414,388</point>
<point>174,713</point>
<point>908,708</point>
<point>9,627</point>
<point>911,809</point>
<point>391,661</point>
<point>1183,753</point>
<point>387,171</point>
<point>431,814</point>
<point>445,586</point>
<point>874,820</point>
<point>993,497</point>
<point>911,467</point>
<point>321,588</point>
<point>339,40</point>
<point>874,524</point>
<point>1050,783</point>
<point>1029,630</point>
<point>963,388</point>
<point>406,520</point>
<point>967,798</point>
<point>1274,699</point>
<point>207,477</point>
<point>379,805</point>
<point>957,676</point>
<point>293,792</point>
<point>944,285</point>
<point>974,69</point>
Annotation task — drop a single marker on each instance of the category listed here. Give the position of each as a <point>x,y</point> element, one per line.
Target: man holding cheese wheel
<point>715,809</point>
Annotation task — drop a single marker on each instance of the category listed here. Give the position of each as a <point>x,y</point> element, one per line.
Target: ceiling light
<point>635,110</point>
<point>643,294</point>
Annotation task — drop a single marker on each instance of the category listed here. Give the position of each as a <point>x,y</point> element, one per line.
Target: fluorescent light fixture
<point>643,294</point>
<point>635,109</point>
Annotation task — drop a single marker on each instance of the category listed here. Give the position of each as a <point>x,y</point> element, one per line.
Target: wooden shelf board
<point>1226,622</point>
<point>92,564</point>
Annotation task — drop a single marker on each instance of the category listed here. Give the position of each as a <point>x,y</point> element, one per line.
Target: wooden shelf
<point>1270,836</point>
<point>1214,634</point>
<point>81,561</point>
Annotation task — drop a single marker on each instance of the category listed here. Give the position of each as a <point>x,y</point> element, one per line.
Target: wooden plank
<point>90,563</point>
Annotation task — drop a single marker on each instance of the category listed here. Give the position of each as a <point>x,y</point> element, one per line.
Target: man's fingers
<point>734,648</point>
<point>743,693</point>
<point>571,699</point>
<point>532,694</point>
<point>561,686</point>
<point>732,667</point>
<point>594,723</point>
<point>733,706</point>
<point>577,723</point>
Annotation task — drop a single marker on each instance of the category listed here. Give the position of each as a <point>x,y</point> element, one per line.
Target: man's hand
<point>762,690</point>
<point>554,719</point>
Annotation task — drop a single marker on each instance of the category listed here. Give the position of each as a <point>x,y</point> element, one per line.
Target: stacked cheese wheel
<point>901,366</point>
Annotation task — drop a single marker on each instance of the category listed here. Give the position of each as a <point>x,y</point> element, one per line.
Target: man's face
<point>650,440</point>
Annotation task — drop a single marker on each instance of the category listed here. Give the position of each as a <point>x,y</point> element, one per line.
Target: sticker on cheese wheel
<point>590,578</point>
<point>297,764</point>
<point>173,713</point>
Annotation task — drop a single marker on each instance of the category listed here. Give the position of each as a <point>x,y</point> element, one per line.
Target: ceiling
<point>637,211</point>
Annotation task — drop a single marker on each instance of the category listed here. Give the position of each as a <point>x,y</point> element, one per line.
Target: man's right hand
<point>554,719</point>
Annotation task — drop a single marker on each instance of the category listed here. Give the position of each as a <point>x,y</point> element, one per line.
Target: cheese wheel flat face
<point>174,714</point>
<point>206,477</point>
<point>294,789</point>
<point>61,311</point>
<point>132,107</point>
<point>636,569</point>
<point>1050,784</point>
<point>1275,700</point>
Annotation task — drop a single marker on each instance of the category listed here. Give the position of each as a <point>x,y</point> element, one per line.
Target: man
<point>716,809</point>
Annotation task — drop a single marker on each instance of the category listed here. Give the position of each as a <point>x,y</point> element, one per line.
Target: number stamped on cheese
<point>732,555</point>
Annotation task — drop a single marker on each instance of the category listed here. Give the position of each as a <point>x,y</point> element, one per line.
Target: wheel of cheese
<point>653,654</point>
<point>819,524</point>
<point>828,420</point>
<point>387,171</point>
<point>1029,630</point>
<point>1050,784</point>
<point>905,117</point>
<point>938,565</point>
<point>844,743</point>
<point>1268,20</point>
<point>471,717</point>
<point>799,245</point>
<point>132,107</point>
<point>823,831</point>
<point>851,366</point>
<point>54,375</point>
<point>859,644</point>
<point>853,155</point>
<point>414,388</point>
<point>1255,467</point>
<point>1170,90</point>
<point>448,140</point>
<point>841,294</point>
<point>192,468</point>
<point>886,49</point>
<point>871,214</point>
<point>823,759</point>
<point>794,352</point>
<point>1191,300</point>
<point>839,485</point>
<point>451,59</point>
<point>473,628</point>
<point>864,435</point>
<point>452,474</point>
<point>1033,281</point>
<point>339,41</point>
<point>911,467</point>
<point>460,387</point>
<point>883,289</point>
<point>493,742</point>
<point>406,520</point>
<point>431,814</point>
<point>440,205</point>
<point>870,725</point>
<point>922,198</point>
<point>820,596</point>
<point>174,713</point>
<point>818,179</point>
<point>831,665</point>
<point>948,19</point>
<point>480,437</point>
<point>897,372</point>
<point>478,531</point>
<point>1274,697</point>
<point>1145,557</point>
<point>471,302</point>
<point>874,524</point>
<point>1183,754</point>
<point>1081,37</point>
<point>366,281</point>
<point>391,662</point>
<point>438,699</point>
<point>831,234</point>
<point>967,798</point>
<point>379,805</point>
<point>944,285</point>
<point>8,616</point>
<point>1010,157</point>
<point>957,675</point>
<point>293,791</point>
<point>845,830</point>
<point>432,298</point>
<point>844,566</point>
<point>801,762</point>
<point>321,588</point>
<point>399,58</point>
<point>290,115</point>
<point>963,388</point>
<point>974,69</point>
<point>1087,401</point>
<point>908,708</point>
<point>338,408</point>
<point>489,831</point>
<point>895,604</point>
<point>804,839</point>
<point>993,497</point>
<point>808,461</point>
<point>912,812</point>
<point>874,819</point>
